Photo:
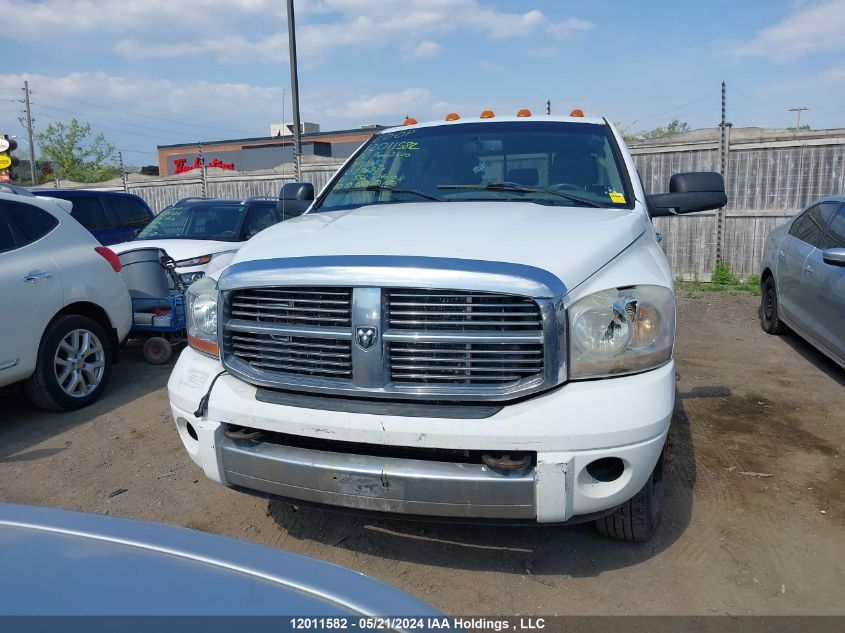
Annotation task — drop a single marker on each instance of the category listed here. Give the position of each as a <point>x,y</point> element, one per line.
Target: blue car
<point>111,216</point>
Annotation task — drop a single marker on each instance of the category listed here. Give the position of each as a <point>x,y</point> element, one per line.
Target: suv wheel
<point>73,366</point>
<point>637,518</point>
<point>769,319</point>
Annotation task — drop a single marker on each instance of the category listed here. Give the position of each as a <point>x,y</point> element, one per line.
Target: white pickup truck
<point>473,321</point>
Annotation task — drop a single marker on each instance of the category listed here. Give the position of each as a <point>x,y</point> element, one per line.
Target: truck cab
<point>472,321</point>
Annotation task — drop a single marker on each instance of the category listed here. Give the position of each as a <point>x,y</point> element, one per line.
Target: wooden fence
<point>769,176</point>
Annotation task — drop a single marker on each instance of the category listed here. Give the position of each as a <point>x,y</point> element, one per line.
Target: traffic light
<point>7,161</point>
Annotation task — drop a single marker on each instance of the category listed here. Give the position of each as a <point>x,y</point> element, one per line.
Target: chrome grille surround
<point>487,330</point>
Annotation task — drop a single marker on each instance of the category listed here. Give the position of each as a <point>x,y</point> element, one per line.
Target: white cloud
<point>386,104</point>
<point>813,29</point>
<point>424,50</point>
<point>254,30</point>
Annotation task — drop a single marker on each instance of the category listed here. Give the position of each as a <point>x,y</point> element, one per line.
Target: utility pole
<point>123,172</point>
<point>204,180</point>
<point>797,112</point>
<point>548,106</point>
<point>294,90</point>
<point>723,168</point>
<point>29,132</point>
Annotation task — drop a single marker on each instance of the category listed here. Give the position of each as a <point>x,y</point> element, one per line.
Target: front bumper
<point>565,430</point>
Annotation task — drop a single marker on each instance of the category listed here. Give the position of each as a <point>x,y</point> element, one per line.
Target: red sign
<point>180,166</point>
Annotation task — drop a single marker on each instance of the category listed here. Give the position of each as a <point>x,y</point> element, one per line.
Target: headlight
<point>201,316</point>
<point>194,261</point>
<point>621,331</point>
<point>188,278</point>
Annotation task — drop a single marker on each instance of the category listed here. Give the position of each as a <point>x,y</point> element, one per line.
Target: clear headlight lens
<point>201,315</point>
<point>621,331</point>
<point>189,278</point>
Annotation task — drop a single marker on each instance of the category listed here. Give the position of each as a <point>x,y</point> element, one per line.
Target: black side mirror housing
<point>689,192</point>
<point>294,199</point>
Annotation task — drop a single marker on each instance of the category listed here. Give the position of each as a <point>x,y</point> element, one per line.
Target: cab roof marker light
<point>524,112</point>
<point>577,112</point>
<point>452,116</point>
<point>487,114</point>
<point>410,121</point>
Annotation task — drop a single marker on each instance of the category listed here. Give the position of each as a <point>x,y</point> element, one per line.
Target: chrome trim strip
<point>254,327</point>
<point>388,271</point>
<point>9,363</point>
<point>445,336</point>
<point>368,364</point>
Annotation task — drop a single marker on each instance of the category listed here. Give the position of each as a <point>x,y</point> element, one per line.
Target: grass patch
<point>723,280</point>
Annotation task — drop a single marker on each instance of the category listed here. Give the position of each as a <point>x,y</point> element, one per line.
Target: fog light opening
<point>606,469</point>
<point>192,432</point>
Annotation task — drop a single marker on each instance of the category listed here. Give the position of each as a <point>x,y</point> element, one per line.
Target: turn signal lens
<point>452,116</point>
<point>410,121</point>
<point>487,114</point>
<point>524,112</point>
<point>577,112</point>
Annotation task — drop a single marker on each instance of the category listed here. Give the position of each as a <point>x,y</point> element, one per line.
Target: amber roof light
<point>487,114</point>
<point>452,116</point>
<point>410,121</point>
<point>524,112</point>
<point>577,112</point>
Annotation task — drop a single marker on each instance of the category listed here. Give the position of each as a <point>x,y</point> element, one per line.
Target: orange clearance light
<point>577,112</point>
<point>487,114</point>
<point>410,121</point>
<point>452,116</point>
<point>524,112</point>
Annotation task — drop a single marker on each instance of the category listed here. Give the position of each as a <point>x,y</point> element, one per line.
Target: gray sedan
<point>802,277</point>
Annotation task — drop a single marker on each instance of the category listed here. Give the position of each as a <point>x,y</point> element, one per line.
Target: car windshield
<point>199,221</point>
<point>546,162</point>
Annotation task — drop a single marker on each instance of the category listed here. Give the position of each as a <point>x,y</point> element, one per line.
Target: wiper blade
<point>512,186</point>
<point>416,192</point>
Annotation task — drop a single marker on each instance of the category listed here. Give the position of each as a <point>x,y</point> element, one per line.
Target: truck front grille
<point>458,310</point>
<point>434,344</point>
<point>463,363</point>
<point>295,355</point>
<point>322,307</point>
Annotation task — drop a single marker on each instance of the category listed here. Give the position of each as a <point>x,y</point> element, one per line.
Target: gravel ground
<point>731,541</point>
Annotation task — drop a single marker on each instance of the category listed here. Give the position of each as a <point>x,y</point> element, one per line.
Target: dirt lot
<point>730,542</point>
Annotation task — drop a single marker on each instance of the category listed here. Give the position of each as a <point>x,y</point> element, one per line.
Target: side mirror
<point>294,199</point>
<point>834,256</point>
<point>688,193</point>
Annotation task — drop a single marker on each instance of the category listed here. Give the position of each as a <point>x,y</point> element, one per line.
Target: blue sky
<point>162,71</point>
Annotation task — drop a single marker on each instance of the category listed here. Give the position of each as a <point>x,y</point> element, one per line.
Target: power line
<point>138,114</point>
<point>102,118</point>
<point>103,127</point>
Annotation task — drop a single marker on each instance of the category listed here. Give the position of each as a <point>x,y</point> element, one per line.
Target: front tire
<point>769,319</point>
<point>73,366</point>
<point>637,519</point>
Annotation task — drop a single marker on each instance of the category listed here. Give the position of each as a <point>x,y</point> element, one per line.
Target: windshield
<point>203,221</point>
<point>555,163</point>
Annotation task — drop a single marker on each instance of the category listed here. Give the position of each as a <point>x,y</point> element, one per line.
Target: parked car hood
<point>179,249</point>
<point>569,242</point>
<point>56,562</point>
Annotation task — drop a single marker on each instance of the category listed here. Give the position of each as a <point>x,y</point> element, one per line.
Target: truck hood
<point>179,249</point>
<point>569,242</point>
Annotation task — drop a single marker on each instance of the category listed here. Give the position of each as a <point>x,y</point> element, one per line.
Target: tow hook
<point>242,433</point>
<point>505,462</point>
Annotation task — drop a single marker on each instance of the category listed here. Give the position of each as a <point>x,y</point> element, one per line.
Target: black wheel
<point>637,518</point>
<point>73,366</point>
<point>769,319</point>
<point>157,350</point>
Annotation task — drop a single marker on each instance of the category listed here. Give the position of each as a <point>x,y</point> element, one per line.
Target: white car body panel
<point>76,274</point>
<point>222,252</point>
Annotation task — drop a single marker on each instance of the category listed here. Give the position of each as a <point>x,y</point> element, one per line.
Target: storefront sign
<point>180,165</point>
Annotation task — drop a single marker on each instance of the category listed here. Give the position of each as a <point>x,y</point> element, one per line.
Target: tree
<point>75,156</point>
<point>673,127</point>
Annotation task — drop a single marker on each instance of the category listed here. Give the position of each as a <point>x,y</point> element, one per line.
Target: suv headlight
<point>201,316</point>
<point>621,331</point>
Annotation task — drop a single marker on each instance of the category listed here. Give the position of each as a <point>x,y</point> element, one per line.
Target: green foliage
<point>675,126</point>
<point>804,126</point>
<point>75,155</point>
<point>723,275</point>
<point>722,280</point>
